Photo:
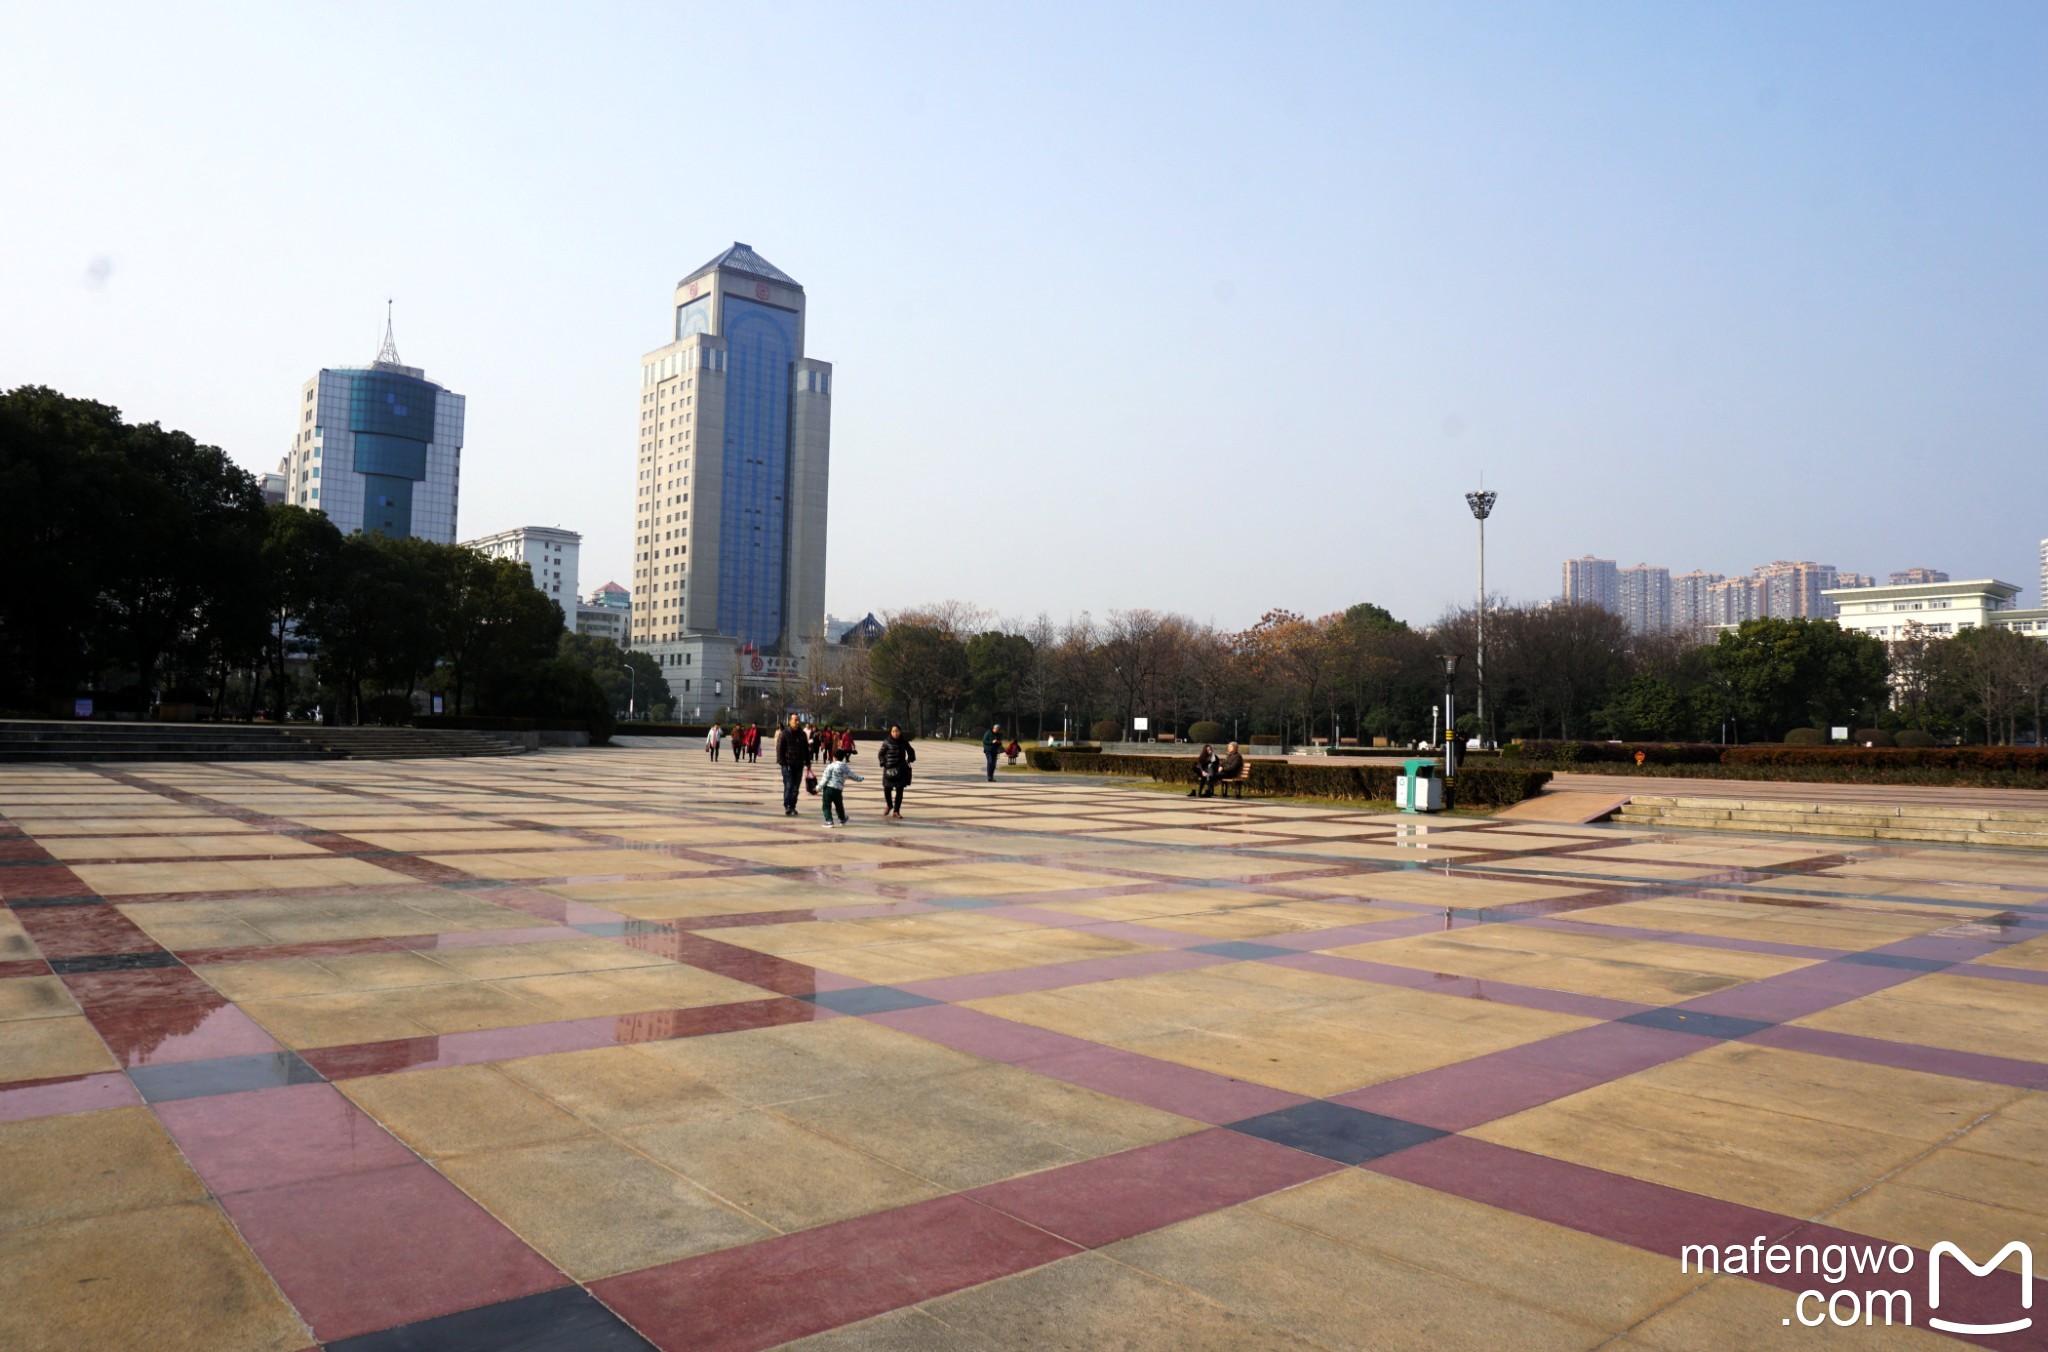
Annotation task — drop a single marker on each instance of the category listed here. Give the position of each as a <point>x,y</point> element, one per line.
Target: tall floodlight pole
<point>1481,504</point>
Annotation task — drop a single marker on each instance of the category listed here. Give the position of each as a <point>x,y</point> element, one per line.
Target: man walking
<point>991,747</point>
<point>792,757</point>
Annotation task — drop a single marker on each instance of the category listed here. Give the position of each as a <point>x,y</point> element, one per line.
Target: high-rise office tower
<point>1592,581</point>
<point>379,449</point>
<point>1644,593</point>
<point>730,493</point>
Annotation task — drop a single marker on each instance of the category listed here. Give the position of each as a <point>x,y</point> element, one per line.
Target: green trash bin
<point>1420,788</point>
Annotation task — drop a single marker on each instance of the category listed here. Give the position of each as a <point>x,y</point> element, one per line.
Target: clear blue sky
<point>1208,308</point>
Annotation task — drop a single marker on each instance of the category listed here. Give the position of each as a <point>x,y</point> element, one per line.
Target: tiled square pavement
<point>597,1049</point>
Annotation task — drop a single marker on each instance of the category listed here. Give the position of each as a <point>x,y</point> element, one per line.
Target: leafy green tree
<point>607,663</point>
<point>188,529</point>
<point>60,459</point>
<point>295,572</point>
<point>998,665</point>
<point>1782,674</point>
<point>921,665</point>
<point>1645,708</point>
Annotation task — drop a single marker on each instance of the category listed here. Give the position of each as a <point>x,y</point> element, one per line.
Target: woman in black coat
<point>894,757</point>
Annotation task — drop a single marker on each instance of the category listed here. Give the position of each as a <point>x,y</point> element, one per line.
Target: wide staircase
<point>1959,824</point>
<point>56,741</point>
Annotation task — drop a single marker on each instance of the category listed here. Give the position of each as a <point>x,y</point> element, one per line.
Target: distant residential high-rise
<point>378,448</point>
<point>1692,601</point>
<point>1915,577</point>
<point>1790,590</point>
<point>1734,600</point>
<point>607,614</point>
<point>1854,580</point>
<point>549,554</point>
<point>1644,595</point>
<point>1591,581</point>
<point>730,495</point>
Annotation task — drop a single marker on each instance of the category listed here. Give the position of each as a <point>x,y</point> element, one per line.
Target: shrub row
<point>1617,753</point>
<point>1480,786</point>
<point>2025,759</point>
<point>703,729</point>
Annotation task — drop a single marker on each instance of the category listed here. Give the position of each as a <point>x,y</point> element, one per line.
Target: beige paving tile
<point>15,945</point>
<point>588,863</point>
<point>1730,1312</point>
<point>1756,1156</point>
<point>1579,1276</point>
<point>87,1164</point>
<point>775,1170</point>
<point>980,1126</point>
<point>180,1272</point>
<point>112,880</point>
<point>42,1049</point>
<point>1335,1294</point>
<point>777,1065</point>
<point>68,848</point>
<point>1089,1301</point>
<point>301,1021</point>
<point>616,1088</point>
<point>2001,1018</point>
<point>35,997</point>
<point>461,1109</point>
<point>595,1207</point>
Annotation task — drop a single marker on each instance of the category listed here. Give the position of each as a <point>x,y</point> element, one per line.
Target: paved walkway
<point>597,1050</point>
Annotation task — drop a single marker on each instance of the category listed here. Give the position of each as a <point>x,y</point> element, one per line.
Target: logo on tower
<point>760,290</point>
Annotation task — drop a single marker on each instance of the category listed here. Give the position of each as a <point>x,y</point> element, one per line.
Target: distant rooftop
<point>741,258</point>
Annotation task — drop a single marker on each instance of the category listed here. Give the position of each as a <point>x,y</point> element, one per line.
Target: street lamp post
<point>1481,504</point>
<point>1450,716</point>
<point>632,689</point>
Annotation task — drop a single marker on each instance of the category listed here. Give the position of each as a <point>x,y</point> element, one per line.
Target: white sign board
<point>1839,734</point>
<point>1141,725</point>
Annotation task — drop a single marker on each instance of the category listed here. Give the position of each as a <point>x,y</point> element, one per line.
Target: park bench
<point>1240,779</point>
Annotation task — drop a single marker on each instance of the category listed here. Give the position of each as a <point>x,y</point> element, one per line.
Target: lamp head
<point>1450,666</point>
<point>1481,503</point>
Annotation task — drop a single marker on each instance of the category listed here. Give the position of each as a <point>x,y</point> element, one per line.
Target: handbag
<point>810,780</point>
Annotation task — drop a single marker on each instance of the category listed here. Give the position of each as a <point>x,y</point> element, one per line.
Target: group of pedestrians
<point>745,743</point>
<point>799,747</point>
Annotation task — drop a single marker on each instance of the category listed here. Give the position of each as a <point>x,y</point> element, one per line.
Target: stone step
<point>1859,821</point>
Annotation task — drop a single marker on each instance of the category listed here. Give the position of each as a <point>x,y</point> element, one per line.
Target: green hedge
<point>1614,753</point>
<point>1475,786</point>
<point>2023,759</point>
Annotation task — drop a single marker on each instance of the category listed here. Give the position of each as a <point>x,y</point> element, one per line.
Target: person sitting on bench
<point>1231,771</point>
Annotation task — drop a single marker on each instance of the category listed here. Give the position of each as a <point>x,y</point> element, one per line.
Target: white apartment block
<point>549,554</point>
<point>1937,609</point>
<point>730,489</point>
<point>378,448</point>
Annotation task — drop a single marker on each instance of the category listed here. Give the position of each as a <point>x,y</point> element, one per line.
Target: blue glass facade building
<point>378,449</point>
<point>729,515</point>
